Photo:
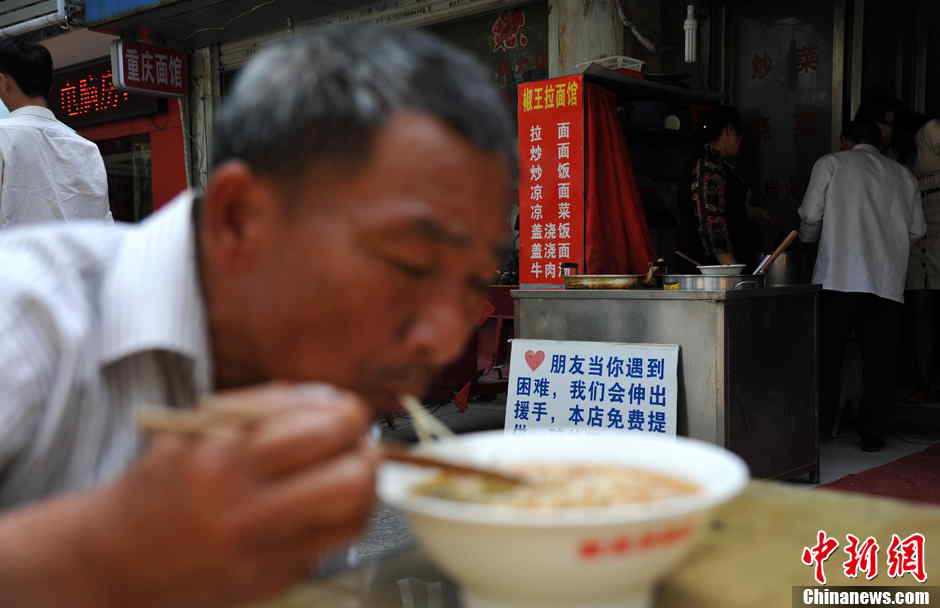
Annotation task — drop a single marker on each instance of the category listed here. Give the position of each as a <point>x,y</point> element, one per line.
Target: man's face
<point>730,142</point>
<point>7,87</point>
<point>372,280</point>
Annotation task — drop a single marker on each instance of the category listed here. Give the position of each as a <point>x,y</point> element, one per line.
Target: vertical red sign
<point>551,179</point>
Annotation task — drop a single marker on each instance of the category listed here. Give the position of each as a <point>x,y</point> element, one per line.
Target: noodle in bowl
<point>524,553</point>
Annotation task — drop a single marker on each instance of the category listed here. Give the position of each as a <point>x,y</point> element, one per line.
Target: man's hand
<point>233,515</point>
<point>726,258</point>
<point>758,215</point>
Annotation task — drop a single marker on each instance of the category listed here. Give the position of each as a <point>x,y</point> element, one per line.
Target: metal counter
<point>748,361</point>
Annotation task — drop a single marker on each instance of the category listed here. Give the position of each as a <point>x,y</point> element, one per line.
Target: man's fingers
<point>304,437</point>
<point>336,494</point>
<point>288,563</point>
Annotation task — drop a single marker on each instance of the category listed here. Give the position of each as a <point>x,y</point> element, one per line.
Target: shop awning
<point>198,23</point>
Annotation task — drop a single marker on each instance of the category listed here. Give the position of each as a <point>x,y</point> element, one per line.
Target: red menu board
<point>551,179</point>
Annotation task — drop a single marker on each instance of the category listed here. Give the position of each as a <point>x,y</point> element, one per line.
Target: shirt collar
<point>151,297</point>
<point>36,111</point>
<point>866,148</point>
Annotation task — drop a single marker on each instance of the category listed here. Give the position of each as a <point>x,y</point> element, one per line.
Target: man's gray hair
<point>323,96</point>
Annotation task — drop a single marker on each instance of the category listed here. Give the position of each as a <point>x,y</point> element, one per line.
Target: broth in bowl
<point>666,487</point>
<point>562,486</point>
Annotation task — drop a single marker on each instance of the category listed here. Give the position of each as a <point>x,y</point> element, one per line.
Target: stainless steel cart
<point>748,365</point>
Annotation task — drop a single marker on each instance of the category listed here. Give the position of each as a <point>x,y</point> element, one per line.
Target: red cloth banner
<point>551,180</point>
<point>618,237</point>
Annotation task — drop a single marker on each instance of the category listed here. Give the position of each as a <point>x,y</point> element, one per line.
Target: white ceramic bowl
<point>723,270</point>
<point>597,557</point>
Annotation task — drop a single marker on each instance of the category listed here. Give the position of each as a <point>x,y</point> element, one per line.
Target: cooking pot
<point>612,281</point>
<point>700,282</point>
<point>603,281</point>
<point>784,271</point>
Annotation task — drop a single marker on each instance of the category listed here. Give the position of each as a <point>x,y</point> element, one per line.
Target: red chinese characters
<point>862,557</point>
<point>907,556</point>
<point>760,66</point>
<point>148,69</point>
<point>807,59</point>
<point>551,135</point>
<point>904,556</point>
<point>508,31</point>
<point>592,549</point>
<point>90,94</point>
<point>817,554</point>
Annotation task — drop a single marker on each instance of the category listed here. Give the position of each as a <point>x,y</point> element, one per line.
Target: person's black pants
<point>876,324</point>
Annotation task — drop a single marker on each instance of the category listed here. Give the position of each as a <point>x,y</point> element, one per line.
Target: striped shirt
<point>97,320</point>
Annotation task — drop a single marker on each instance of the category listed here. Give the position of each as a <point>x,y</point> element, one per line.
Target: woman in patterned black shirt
<point>718,203</point>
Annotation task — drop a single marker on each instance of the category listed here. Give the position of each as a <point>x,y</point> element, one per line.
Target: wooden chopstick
<point>202,421</point>
<point>426,425</point>
<point>212,413</point>
<point>397,454</point>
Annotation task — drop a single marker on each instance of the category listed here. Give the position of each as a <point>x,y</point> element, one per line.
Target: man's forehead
<point>432,223</point>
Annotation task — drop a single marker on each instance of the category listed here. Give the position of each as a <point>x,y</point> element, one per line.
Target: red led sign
<point>86,96</point>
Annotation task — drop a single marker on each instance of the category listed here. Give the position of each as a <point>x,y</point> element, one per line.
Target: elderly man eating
<point>338,257</point>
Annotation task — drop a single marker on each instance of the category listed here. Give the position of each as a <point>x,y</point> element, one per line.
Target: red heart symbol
<point>534,358</point>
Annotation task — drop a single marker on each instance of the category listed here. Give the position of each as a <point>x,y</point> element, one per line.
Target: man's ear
<point>241,212</point>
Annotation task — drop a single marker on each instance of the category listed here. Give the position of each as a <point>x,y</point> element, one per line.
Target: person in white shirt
<point>347,236</point>
<point>48,172</point>
<point>865,210</point>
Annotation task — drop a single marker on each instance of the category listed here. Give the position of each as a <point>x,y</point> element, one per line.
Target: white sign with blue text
<point>586,387</point>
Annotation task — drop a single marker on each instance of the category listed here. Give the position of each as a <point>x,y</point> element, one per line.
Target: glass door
<point>127,161</point>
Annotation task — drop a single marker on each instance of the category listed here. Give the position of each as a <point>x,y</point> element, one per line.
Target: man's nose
<point>441,329</point>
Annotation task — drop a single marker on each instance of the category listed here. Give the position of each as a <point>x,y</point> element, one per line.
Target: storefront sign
<point>85,95</point>
<point>147,69</point>
<point>551,180</point>
<point>99,10</point>
<point>592,386</point>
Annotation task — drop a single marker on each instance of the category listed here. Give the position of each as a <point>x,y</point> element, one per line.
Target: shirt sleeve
<point>814,201</point>
<point>27,358</point>
<point>2,168</point>
<point>708,197</point>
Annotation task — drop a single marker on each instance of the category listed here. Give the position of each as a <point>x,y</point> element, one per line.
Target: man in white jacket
<point>48,172</point>
<point>865,210</point>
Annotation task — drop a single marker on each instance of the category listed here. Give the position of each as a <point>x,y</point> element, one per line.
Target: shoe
<point>872,444</point>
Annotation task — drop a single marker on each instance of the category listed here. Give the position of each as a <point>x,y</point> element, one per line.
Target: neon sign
<point>86,96</point>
